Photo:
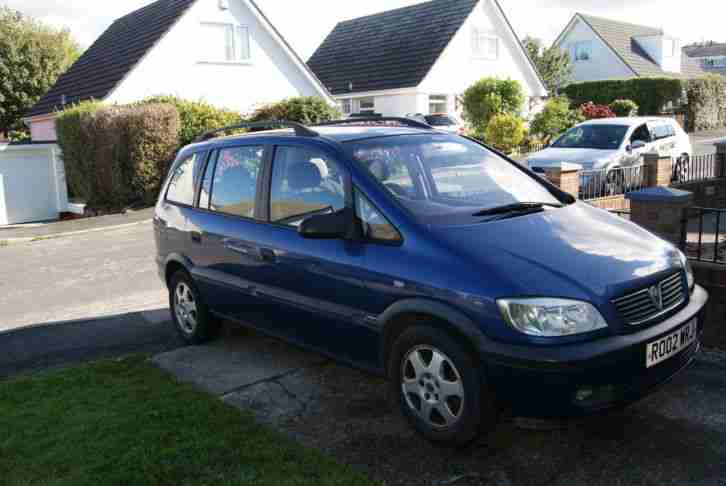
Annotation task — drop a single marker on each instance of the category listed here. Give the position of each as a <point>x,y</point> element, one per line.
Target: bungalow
<point>711,56</point>
<point>602,49</point>
<point>420,59</point>
<point>223,51</point>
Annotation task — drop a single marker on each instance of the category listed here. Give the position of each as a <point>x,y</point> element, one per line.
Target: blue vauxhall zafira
<point>475,286</point>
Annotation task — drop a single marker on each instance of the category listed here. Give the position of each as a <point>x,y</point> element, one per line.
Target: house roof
<point>389,50</point>
<point>705,50</point>
<point>621,38</point>
<point>119,49</point>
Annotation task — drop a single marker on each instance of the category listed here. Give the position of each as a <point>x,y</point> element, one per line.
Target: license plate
<point>670,345</point>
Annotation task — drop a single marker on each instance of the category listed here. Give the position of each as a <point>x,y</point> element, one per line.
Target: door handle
<point>268,255</point>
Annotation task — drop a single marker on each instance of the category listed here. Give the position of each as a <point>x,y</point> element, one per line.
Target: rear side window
<point>181,185</point>
<point>663,130</point>
<point>304,182</point>
<point>234,184</point>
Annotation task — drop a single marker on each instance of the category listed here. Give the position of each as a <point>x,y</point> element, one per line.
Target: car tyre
<point>439,387</point>
<point>192,319</point>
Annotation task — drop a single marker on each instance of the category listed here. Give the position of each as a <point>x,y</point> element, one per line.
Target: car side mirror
<point>333,226</point>
<point>637,145</point>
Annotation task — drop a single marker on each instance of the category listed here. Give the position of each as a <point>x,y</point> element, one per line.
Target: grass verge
<point>127,422</point>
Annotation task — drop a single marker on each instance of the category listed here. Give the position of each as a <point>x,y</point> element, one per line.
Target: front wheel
<point>191,317</point>
<point>439,386</point>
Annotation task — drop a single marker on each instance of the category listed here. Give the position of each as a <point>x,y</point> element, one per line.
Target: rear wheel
<point>439,386</point>
<point>190,315</point>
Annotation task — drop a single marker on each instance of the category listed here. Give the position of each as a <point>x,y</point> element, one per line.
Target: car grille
<point>648,304</point>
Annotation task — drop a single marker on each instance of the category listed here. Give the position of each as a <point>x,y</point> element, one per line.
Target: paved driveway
<point>703,141</point>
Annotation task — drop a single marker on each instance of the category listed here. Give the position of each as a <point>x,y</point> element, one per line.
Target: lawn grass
<point>126,422</point>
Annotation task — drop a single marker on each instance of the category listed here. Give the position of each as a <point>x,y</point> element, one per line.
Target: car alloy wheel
<point>432,387</point>
<point>185,306</point>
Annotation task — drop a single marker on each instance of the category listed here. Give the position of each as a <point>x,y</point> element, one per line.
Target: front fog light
<point>551,317</point>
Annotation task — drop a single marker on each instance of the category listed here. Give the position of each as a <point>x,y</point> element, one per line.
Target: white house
<point>420,59</point>
<point>602,49</point>
<point>711,56</point>
<point>225,52</point>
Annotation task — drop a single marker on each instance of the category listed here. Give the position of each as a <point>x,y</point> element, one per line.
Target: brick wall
<point>611,203</point>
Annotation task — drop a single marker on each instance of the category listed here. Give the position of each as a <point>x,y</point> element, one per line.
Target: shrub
<point>591,111</point>
<point>706,108</point>
<point>506,132</point>
<point>77,154</point>
<point>117,155</point>
<point>197,117</point>
<point>307,110</point>
<point>624,108</point>
<point>650,94</point>
<point>555,118</point>
<point>489,97</point>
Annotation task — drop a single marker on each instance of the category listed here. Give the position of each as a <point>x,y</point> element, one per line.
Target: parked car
<point>441,121</point>
<point>471,283</point>
<point>614,143</point>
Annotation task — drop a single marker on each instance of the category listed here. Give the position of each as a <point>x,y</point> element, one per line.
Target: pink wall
<point>43,130</point>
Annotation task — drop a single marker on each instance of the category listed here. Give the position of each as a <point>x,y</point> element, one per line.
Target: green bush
<point>624,108</point>
<point>506,132</point>
<point>650,94</point>
<point>117,155</point>
<point>489,97</point>
<point>706,108</point>
<point>197,117</point>
<point>307,110</point>
<point>555,118</point>
<point>77,154</point>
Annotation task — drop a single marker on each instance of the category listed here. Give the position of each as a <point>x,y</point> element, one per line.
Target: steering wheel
<point>397,189</point>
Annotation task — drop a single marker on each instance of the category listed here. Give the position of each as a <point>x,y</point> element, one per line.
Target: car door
<point>324,302</point>
<point>225,230</point>
<point>642,133</point>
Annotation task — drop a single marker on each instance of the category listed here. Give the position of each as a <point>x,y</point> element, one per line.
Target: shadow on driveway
<point>63,343</point>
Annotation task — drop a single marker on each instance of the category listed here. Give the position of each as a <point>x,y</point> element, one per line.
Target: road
<point>79,277</point>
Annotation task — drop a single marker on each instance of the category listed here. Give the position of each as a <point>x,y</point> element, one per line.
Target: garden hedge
<point>116,156</point>
<point>308,110</point>
<point>706,108</point>
<point>650,94</point>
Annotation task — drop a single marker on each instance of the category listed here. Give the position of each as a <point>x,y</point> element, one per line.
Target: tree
<point>32,56</point>
<point>555,118</point>
<point>553,64</point>
<point>489,97</point>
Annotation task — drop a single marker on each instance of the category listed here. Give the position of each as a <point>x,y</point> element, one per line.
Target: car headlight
<point>551,317</point>
<point>686,264</point>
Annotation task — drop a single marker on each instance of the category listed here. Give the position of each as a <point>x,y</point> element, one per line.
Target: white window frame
<point>480,39</point>
<point>346,106</point>
<point>368,100</point>
<point>576,46</point>
<point>234,50</point>
<point>439,100</point>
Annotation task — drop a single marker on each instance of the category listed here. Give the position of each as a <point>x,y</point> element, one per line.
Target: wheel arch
<point>404,314</point>
<point>175,262</point>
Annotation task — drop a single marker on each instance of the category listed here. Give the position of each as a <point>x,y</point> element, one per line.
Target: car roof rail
<point>300,129</point>
<point>407,122</point>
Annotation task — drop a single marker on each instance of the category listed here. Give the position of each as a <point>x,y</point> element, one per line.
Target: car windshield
<point>444,180</point>
<point>605,137</point>
<point>440,120</point>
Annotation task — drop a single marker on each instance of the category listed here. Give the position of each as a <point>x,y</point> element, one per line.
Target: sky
<point>306,23</point>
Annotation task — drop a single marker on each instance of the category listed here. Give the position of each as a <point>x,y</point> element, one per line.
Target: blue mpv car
<point>474,285</point>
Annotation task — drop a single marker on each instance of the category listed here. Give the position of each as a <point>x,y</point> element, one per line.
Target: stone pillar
<point>658,170</point>
<point>721,154</point>
<point>660,211</point>
<point>566,177</point>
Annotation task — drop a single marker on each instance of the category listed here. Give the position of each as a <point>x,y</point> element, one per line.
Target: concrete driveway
<point>703,141</point>
<point>677,436</point>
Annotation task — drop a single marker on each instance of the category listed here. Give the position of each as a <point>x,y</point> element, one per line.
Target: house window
<point>225,42</point>
<point>714,62</point>
<point>438,104</point>
<point>583,51</point>
<point>367,105</point>
<point>484,46</point>
<point>346,106</point>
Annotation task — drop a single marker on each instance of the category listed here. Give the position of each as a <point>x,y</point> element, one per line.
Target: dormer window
<point>225,43</point>
<point>484,46</point>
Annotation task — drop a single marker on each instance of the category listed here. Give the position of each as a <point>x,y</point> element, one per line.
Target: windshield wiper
<point>517,208</point>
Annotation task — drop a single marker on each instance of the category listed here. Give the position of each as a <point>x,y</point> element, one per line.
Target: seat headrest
<point>304,175</point>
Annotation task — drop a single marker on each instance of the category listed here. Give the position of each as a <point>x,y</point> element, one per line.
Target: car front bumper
<point>585,378</point>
